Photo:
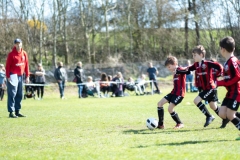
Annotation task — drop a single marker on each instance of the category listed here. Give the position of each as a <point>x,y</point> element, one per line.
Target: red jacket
<point>17,63</point>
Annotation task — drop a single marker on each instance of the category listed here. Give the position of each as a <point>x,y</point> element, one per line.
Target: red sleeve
<point>26,65</point>
<point>232,80</point>
<point>8,65</point>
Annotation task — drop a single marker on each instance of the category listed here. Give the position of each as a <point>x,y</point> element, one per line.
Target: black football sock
<point>204,110</point>
<point>160,116</point>
<point>236,122</point>
<point>175,117</point>
<point>217,110</point>
<point>238,114</point>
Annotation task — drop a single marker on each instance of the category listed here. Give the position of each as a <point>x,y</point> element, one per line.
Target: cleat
<point>160,127</point>
<point>209,120</point>
<point>20,115</point>
<point>12,115</point>
<point>224,123</point>
<point>179,126</point>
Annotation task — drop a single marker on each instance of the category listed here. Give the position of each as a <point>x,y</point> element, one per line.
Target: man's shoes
<point>158,92</point>
<point>218,102</point>
<point>20,115</point>
<point>179,126</point>
<point>12,115</point>
<point>224,123</point>
<point>160,126</point>
<point>209,120</point>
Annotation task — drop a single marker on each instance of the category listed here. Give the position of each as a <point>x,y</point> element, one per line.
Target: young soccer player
<point>203,70</point>
<point>231,81</point>
<point>176,95</point>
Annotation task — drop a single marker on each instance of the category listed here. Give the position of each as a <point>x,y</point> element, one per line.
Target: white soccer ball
<point>151,123</point>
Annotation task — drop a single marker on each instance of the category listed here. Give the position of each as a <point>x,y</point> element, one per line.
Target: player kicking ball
<point>203,70</point>
<point>231,81</point>
<point>176,95</point>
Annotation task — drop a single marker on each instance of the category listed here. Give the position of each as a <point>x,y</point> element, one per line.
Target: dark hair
<point>227,43</point>
<point>199,50</point>
<point>104,77</point>
<point>171,60</point>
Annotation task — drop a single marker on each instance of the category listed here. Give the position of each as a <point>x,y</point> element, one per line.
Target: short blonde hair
<point>89,78</point>
<point>79,63</point>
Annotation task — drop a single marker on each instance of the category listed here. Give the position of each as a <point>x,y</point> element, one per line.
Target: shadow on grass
<point>184,143</point>
<point>166,131</point>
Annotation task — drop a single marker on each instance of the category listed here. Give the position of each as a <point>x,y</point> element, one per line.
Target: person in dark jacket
<point>78,72</point>
<point>60,75</point>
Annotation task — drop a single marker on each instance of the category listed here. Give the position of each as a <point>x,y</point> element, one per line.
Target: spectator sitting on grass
<point>131,86</point>
<point>141,84</point>
<point>91,87</point>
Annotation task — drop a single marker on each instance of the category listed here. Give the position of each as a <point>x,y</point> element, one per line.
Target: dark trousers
<point>155,83</point>
<point>15,95</point>
<point>1,93</point>
<point>40,89</point>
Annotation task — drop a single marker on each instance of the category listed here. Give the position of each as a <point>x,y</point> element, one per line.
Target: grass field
<point>112,128</point>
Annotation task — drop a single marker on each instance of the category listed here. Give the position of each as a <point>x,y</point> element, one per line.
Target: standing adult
<point>152,74</point>
<point>78,72</point>
<point>2,81</point>
<point>40,80</point>
<point>189,78</point>
<point>60,75</point>
<point>16,66</point>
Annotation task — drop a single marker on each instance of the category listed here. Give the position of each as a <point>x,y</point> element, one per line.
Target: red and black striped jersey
<point>216,73</point>
<point>204,70</point>
<point>179,84</point>
<point>197,82</point>
<point>231,78</point>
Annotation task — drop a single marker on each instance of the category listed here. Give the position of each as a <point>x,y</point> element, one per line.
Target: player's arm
<point>216,66</point>
<point>234,77</point>
<point>186,70</point>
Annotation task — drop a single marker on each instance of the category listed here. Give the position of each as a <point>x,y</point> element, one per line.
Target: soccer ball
<point>151,123</point>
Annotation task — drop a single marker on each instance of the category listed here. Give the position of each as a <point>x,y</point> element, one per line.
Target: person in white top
<point>141,84</point>
<point>91,87</point>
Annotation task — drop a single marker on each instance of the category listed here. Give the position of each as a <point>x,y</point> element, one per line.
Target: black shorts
<point>173,98</point>
<point>209,95</point>
<point>231,104</point>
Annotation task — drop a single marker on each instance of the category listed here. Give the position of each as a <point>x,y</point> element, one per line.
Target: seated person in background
<point>131,86</point>
<point>110,84</point>
<point>117,87</point>
<point>141,84</point>
<point>104,84</point>
<point>91,87</point>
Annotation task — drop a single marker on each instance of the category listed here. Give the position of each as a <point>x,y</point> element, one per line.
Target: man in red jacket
<point>16,66</point>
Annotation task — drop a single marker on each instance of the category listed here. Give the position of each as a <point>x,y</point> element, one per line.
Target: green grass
<point>111,128</point>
